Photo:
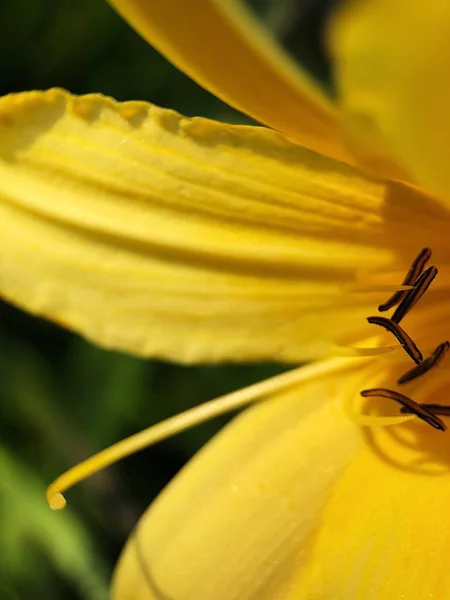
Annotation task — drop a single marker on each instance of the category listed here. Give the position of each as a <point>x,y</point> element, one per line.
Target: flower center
<point>421,280</point>
<point>415,284</point>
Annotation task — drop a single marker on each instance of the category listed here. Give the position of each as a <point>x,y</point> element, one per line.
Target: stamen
<point>418,409</point>
<point>412,297</point>
<point>370,420</point>
<point>415,270</point>
<point>361,352</point>
<point>426,412</point>
<point>401,335</point>
<point>432,361</point>
<point>185,420</point>
<point>435,409</point>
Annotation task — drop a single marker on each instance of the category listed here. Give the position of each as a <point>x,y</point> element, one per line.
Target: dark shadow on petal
<point>156,592</point>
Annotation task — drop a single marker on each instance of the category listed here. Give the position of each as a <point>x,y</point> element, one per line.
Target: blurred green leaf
<point>29,526</point>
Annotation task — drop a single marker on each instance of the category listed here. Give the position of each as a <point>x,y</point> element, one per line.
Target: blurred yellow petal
<point>223,47</point>
<point>188,239</point>
<point>391,60</point>
<point>240,518</point>
<point>385,524</point>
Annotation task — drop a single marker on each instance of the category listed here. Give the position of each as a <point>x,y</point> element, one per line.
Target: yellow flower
<point>193,240</point>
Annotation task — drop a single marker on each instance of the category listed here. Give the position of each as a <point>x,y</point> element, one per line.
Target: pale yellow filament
<point>181,422</point>
<point>373,420</point>
<point>375,288</point>
<point>360,351</point>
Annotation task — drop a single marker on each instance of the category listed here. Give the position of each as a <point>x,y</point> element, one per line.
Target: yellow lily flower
<point>193,240</point>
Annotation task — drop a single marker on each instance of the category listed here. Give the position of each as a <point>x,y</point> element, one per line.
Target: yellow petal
<point>385,525</point>
<point>188,239</point>
<point>292,502</point>
<point>222,47</point>
<point>238,521</point>
<point>391,61</point>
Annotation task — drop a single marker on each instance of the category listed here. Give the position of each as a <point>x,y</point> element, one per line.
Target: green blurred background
<point>61,398</point>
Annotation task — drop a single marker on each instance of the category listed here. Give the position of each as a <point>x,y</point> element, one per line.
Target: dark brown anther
<point>407,299</point>
<point>420,410</point>
<point>401,335</point>
<point>435,409</point>
<point>432,361</point>
<point>415,270</point>
<point>414,295</point>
